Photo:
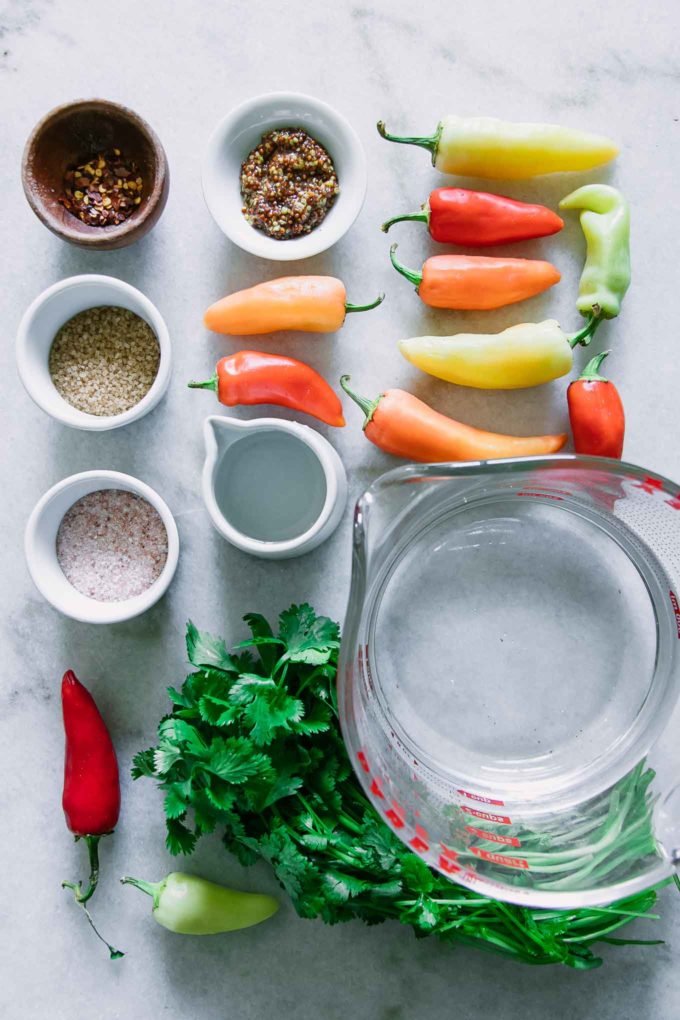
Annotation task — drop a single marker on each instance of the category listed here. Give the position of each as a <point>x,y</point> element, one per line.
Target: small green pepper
<point>605,219</point>
<point>190,905</point>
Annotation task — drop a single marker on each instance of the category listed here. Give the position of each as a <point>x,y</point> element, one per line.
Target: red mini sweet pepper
<point>91,797</point>
<point>478,219</point>
<point>256,377</point>
<point>596,412</point>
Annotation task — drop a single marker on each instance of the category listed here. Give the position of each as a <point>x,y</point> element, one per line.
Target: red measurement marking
<point>481,800</point>
<point>648,484</point>
<point>422,833</point>
<point>493,837</point>
<point>447,865</point>
<point>363,761</point>
<point>448,852</point>
<point>541,495</point>
<point>376,789</point>
<point>397,820</point>
<point>398,808</point>
<point>676,609</point>
<point>675,502</point>
<point>553,488</point>
<point>509,862</point>
<point>419,844</point>
<point>486,815</point>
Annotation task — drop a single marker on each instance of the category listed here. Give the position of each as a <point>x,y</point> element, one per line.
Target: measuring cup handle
<point>667,826</point>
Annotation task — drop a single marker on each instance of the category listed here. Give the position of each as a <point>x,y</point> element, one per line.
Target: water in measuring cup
<point>514,642</point>
<point>270,486</point>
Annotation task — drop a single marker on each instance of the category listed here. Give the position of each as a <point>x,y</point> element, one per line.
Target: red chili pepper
<point>596,412</point>
<point>251,377</point>
<point>91,797</point>
<point>478,219</point>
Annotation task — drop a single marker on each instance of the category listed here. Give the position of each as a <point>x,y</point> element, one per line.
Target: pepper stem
<point>93,857</point>
<point>81,897</point>
<point>429,142</point>
<point>363,308</point>
<point>153,889</point>
<point>585,335</point>
<point>420,217</point>
<point>415,277</point>
<point>209,384</point>
<point>114,954</point>
<point>591,373</point>
<point>369,407</point>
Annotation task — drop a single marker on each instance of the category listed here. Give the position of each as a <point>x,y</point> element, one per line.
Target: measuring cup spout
<point>395,504</point>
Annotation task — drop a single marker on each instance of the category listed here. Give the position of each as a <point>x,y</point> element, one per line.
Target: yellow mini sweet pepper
<point>525,355</point>
<point>488,147</point>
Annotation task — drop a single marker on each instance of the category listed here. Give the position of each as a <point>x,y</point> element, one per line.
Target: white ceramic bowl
<point>40,545</point>
<point>240,132</point>
<point>48,313</point>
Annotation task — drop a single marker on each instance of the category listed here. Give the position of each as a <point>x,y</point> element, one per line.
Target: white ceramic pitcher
<point>273,488</point>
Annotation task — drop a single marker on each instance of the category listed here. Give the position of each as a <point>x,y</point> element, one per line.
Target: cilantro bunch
<point>253,749</point>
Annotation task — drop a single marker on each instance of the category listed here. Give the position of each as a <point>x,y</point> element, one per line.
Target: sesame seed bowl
<point>241,131</point>
<point>49,571</point>
<point>122,375</point>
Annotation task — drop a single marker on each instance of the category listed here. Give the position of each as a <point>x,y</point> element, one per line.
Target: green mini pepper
<point>605,219</point>
<point>190,905</point>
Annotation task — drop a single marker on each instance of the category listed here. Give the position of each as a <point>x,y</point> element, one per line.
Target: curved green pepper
<point>605,219</point>
<point>190,905</point>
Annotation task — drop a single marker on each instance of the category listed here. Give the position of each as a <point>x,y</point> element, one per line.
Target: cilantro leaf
<point>178,732</point>
<point>271,711</point>
<point>317,719</point>
<point>249,686</point>
<point>175,802</point>
<point>341,887</point>
<point>293,869</point>
<point>143,764</point>
<point>424,914</point>
<point>179,839</point>
<point>216,711</point>
<point>379,839</point>
<point>220,794</point>
<point>416,874</point>
<point>205,650</point>
<point>164,757</point>
<point>308,638</point>
<point>205,815</point>
<point>180,698</point>
<point>235,760</point>
<point>265,640</point>
<point>285,785</point>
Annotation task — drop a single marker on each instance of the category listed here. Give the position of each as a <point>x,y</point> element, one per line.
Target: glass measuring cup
<point>509,673</point>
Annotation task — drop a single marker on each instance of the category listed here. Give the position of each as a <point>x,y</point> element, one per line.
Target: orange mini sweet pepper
<point>313,304</point>
<point>475,282</point>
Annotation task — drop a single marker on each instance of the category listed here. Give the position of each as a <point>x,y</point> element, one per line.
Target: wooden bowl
<point>73,133</point>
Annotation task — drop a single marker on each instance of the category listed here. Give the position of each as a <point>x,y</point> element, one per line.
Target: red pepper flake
<point>104,190</point>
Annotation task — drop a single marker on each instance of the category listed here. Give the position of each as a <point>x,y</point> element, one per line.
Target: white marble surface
<point>609,66</point>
